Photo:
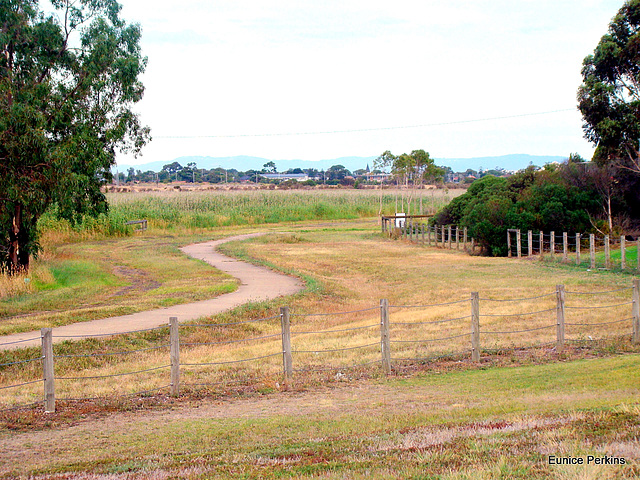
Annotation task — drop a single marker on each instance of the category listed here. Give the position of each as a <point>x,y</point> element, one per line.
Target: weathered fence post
<point>623,252</point>
<point>423,234</point>
<point>578,240</point>
<point>552,242</point>
<point>475,327</point>
<point>449,237</point>
<point>529,243</point>
<point>509,253</point>
<point>592,250</point>
<point>565,247</point>
<point>287,359</point>
<point>48,370</point>
<point>560,295</point>
<point>636,310</point>
<point>541,242</point>
<point>464,238</point>
<point>442,236</point>
<point>174,353</point>
<point>457,238</point>
<point>385,343</point>
<point>607,253</point>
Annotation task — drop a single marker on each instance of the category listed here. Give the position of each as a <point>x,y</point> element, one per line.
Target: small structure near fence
<point>142,225</point>
<point>468,333</point>
<point>565,244</point>
<point>412,228</point>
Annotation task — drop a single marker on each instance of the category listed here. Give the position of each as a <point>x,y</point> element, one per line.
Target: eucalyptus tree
<point>69,77</point>
<point>609,97</point>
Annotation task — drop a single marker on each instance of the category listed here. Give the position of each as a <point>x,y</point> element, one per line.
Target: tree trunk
<point>18,259</point>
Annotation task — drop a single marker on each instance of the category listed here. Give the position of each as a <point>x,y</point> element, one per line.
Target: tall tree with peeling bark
<point>68,81</point>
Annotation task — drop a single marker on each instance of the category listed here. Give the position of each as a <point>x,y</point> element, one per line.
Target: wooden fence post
<point>509,254</point>
<point>565,247</point>
<point>385,343</point>
<point>442,237</point>
<point>636,310</point>
<point>174,347</point>
<point>48,370</point>
<point>560,295</point>
<point>578,240</point>
<point>592,250</point>
<point>475,327</point>
<point>464,238</point>
<point>541,242</point>
<point>449,237</point>
<point>423,234</point>
<point>623,252</point>
<point>552,242</point>
<point>529,243</point>
<point>607,253</point>
<point>457,238</point>
<point>287,359</point>
<point>519,243</point>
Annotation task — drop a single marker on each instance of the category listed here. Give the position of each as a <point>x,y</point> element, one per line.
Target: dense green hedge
<point>528,200</point>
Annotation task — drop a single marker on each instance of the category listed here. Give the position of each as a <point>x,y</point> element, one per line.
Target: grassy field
<point>340,417</point>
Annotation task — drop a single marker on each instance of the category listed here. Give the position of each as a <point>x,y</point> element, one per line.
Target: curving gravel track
<point>257,284</point>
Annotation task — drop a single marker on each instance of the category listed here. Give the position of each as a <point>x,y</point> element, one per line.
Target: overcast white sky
<point>237,70</point>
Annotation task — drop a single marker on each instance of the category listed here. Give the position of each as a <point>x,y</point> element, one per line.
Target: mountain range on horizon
<point>243,163</point>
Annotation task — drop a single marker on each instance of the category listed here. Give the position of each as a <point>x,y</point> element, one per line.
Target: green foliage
<point>609,97</point>
<point>68,80</point>
<point>528,200</point>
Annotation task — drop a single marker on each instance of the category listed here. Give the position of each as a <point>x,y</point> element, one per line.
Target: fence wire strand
<point>21,362</point>
<point>229,362</point>
<point>22,384</point>
<point>327,369</point>
<point>518,299</point>
<point>96,335</point>
<point>21,341</point>
<point>336,349</point>
<point>336,331</point>
<point>331,314</point>
<point>429,306</point>
<point>114,374</point>
<point>599,293</point>
<point>90,355</point>
<point>518,331</point>
<point>597,324</point>
<point>196,325</point>
<point>231,341</point>
<point>600,306</point>
<point>430,323</point>
<point>432,340</point>
<point>517,314</point>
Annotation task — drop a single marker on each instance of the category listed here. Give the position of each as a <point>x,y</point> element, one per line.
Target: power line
<point>359,130</point>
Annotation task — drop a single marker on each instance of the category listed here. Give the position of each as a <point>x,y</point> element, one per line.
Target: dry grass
<point>348,269</point>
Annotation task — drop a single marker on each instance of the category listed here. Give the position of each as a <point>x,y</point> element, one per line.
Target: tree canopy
<point>609,97</point>
<point>69,77</point>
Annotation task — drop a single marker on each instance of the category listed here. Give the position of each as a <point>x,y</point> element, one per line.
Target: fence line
<point>571,243</point>
<point>414,229</point>
<point>384,341</point>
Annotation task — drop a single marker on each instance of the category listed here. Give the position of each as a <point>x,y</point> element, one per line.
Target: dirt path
<point>257,284</point>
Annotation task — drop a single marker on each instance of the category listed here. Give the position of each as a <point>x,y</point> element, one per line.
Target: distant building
<point>300,177</point>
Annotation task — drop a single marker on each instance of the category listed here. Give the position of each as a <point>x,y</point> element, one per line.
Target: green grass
<point>484,423</point>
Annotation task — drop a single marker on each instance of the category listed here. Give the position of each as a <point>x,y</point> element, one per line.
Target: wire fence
<point>585,250</point>
<point>264,351</point>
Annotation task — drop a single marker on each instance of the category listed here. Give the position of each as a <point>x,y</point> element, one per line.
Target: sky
<point>311,80</point>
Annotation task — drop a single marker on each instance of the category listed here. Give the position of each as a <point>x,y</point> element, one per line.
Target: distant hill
<point>243,163</point>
